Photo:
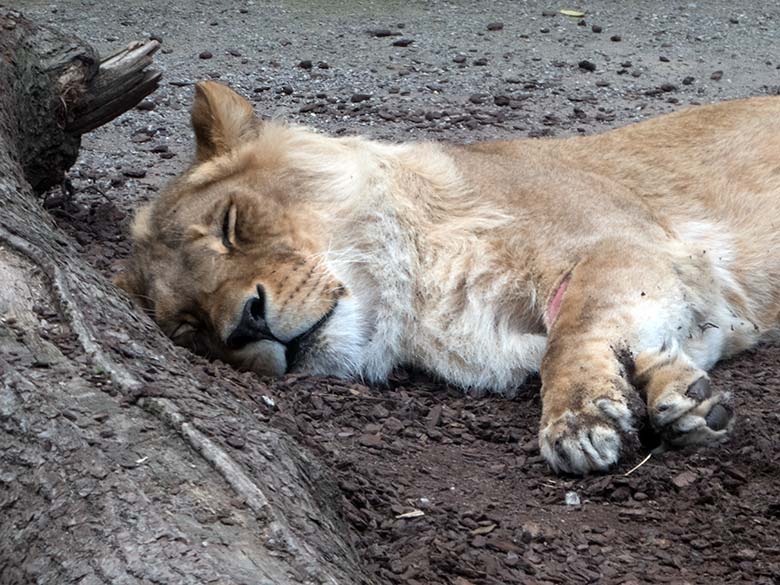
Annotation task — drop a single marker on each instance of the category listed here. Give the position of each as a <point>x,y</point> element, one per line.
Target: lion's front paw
<point>587,440</point>
<point>694,416</point>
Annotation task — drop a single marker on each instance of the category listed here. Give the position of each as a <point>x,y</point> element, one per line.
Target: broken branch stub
<point>122,80</point>
<point>60,89</point>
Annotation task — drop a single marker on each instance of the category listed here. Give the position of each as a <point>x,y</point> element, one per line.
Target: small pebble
<point>587,65</point>
<point>305,64</point>
<point>146,106</point>
<point>380,32</point>
<point>205,55</point>
<point>494,26</point>
<point>615,38</point>
<point>596,28</point>
<point>716,75</point>
<point>134,173</point>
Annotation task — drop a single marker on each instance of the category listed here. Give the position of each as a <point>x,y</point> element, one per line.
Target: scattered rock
<point>716,75</point>
<point>615,38</point>
<point>134,172</point>
<point>688,80</point>
<point>596,28</point>
<point>205,55</point>
<point>359,97</point>
<point>381,32</point>
<point>587,65</point>
<point>371,441</point>
<point>684,479</point>
<point>146,106</point>
<point>305,64</point>
<point>495,26</point>
<point>403,42</point>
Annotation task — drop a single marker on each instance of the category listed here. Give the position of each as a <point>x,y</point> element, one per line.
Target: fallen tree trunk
<point>120,461</point>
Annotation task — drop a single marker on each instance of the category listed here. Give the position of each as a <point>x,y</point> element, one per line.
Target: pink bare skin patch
<point>554,306</point>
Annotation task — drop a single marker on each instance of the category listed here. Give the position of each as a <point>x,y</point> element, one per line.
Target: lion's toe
<point>586,442</point>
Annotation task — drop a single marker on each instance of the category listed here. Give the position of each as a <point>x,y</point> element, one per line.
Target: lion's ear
<point>220,118</point>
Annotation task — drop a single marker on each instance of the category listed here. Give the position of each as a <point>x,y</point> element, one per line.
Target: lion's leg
<point>619,302</point>
<point>586,418</point>
<point>682,407</point>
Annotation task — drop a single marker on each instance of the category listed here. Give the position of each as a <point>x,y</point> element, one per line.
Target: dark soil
<point>440,487</point>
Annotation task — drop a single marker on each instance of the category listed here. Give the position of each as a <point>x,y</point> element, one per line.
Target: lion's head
<point>232,259</point>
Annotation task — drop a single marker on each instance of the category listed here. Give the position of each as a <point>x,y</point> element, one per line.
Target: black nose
<point>252,326</point>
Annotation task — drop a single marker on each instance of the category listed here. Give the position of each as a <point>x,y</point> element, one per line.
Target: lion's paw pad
<point>586,441</point>
<point>695,417</point>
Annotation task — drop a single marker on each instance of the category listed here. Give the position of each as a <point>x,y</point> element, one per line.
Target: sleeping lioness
<point>631,260</point>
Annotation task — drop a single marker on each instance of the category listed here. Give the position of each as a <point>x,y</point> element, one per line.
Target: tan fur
<point>665,234</point>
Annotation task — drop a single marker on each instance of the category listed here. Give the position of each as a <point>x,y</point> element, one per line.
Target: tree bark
<point>120,460</point>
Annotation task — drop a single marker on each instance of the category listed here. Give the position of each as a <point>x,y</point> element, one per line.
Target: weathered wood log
<point>119,461</point>
<point>63,90</point>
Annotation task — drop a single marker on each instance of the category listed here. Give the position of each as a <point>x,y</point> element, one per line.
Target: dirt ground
<point>484,507</point>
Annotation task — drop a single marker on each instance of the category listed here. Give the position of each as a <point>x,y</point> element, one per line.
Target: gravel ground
<point>485,510</point>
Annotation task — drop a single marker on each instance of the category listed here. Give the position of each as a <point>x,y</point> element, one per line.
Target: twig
<point>638,465</point>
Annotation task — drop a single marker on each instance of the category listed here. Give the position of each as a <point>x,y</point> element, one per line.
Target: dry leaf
<point>484,529</point>
<point>574,13</point>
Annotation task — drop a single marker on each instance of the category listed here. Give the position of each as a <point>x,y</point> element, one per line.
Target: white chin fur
<point>340,346</point>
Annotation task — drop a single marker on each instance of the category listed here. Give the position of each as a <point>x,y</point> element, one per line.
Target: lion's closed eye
<point>191,335</point>
<point>183,330</point>
<point>229,227</point>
